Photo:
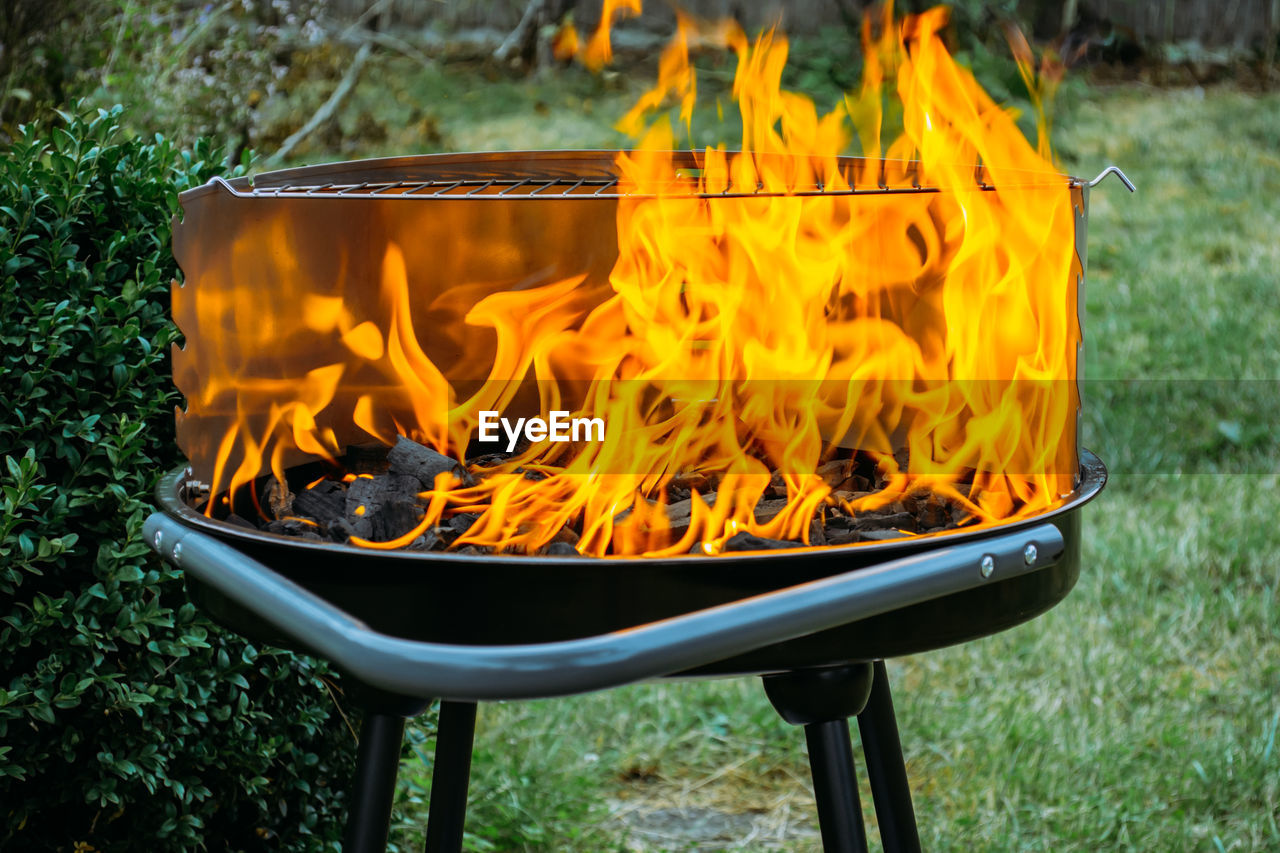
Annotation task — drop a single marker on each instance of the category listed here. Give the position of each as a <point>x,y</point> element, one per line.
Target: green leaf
<point>92,622</point>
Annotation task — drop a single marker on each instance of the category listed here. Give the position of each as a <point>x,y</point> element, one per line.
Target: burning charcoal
<point>838,522</point>
<point>324,505</point>
<point>777,487</point>
<point>488,460</point>
<point>886,521</point>
<point>241,521</point>
<point>679,514</point>
<point>817,536</point>
<point>533,476</point>
<point>366,495</point>
<point>843,537</point>
<point>366,458</point>
<point>325,486</point>
<point>426,542</point>
<point>900,458</point>
<point>360,492</point>
<point>445,535</point>
<point>474,549</point>
<point>678,517</point>
<point>279,498</point>
<point>767,510</point>
<point>395,519</point>
<point>835,472</point>
<point>567,535</point>
<point>561,549</point>
<point>747,542</point>
<point>929,509</point>
<point>849,496</point>
<point>690,481</point>
<point>290,527</point>
<point>340,530</point>
<point>857,484</point>
<point>462,521</point>
<point>412,459</point>
<point>382,507</point>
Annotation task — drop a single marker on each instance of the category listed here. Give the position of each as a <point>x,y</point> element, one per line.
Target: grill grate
<point>556,175</point>
<point>544,188</point>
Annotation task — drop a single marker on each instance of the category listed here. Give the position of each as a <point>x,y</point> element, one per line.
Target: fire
<point>767,311</point>
<point>598,50</point>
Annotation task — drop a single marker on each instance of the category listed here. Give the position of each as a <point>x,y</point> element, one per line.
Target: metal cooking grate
<point>516,181</point>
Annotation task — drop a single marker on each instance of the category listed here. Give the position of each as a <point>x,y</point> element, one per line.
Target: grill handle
<point>536,670</point>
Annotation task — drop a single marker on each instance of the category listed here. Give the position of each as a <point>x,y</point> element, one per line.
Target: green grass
<point>1142,713</point>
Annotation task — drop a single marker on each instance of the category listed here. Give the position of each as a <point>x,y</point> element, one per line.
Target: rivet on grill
<point>987,566</point>
<point>1029,554</point>
<point>177,554</point>
<point>158,539</point>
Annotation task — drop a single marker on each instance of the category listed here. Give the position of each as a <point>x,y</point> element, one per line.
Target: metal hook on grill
<point>1112,170</point>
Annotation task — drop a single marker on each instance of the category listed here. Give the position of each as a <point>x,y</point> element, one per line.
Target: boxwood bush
<point>127,721</point>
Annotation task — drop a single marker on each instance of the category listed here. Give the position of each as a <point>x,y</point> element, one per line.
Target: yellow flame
<point>599,49</point>
<point>765,310</point>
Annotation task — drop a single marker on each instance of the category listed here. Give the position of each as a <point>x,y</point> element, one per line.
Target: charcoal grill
<point>407,628</point>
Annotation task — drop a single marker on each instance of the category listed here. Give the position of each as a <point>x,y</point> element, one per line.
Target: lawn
<point>1142,713</point>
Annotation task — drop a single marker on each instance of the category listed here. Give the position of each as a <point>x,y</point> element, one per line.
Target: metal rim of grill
<point>581,174</point>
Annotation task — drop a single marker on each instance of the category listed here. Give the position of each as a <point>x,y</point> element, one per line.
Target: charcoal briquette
<point>842,537</point>
<point>415,460</point>
<point>561,549</point>
<point>394,519</point>
<point>748,542</point>
<point>323,505</point>
<point>462,522</point>
<point>768,510</point>
<point>817,536</point>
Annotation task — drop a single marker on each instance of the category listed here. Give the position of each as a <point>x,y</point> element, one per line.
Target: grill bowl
<point>481,600</point>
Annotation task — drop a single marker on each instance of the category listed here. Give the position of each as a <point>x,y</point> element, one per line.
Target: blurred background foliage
<point>252,72</point>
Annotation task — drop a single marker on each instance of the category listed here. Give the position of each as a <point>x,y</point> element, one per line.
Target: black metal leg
<point>377,761</point>
<point>886,769</point>
<point>835,787</point>
<point>450,777</point>
<point>822,700</point>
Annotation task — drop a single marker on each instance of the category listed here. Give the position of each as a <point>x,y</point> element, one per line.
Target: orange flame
<point>599,49</point>
<point>765,310</point>
<point>597,52</point>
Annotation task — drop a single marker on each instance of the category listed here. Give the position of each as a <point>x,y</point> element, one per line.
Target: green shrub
<point>127,722</point>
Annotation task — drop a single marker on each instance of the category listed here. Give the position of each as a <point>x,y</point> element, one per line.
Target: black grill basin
<point>497,600</point>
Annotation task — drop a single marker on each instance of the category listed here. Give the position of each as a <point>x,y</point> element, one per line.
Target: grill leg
<point>822,700</point>
<point>886,769</point>
<point>835,787</point>
<point>450,777</point>
<point>377,760</point>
